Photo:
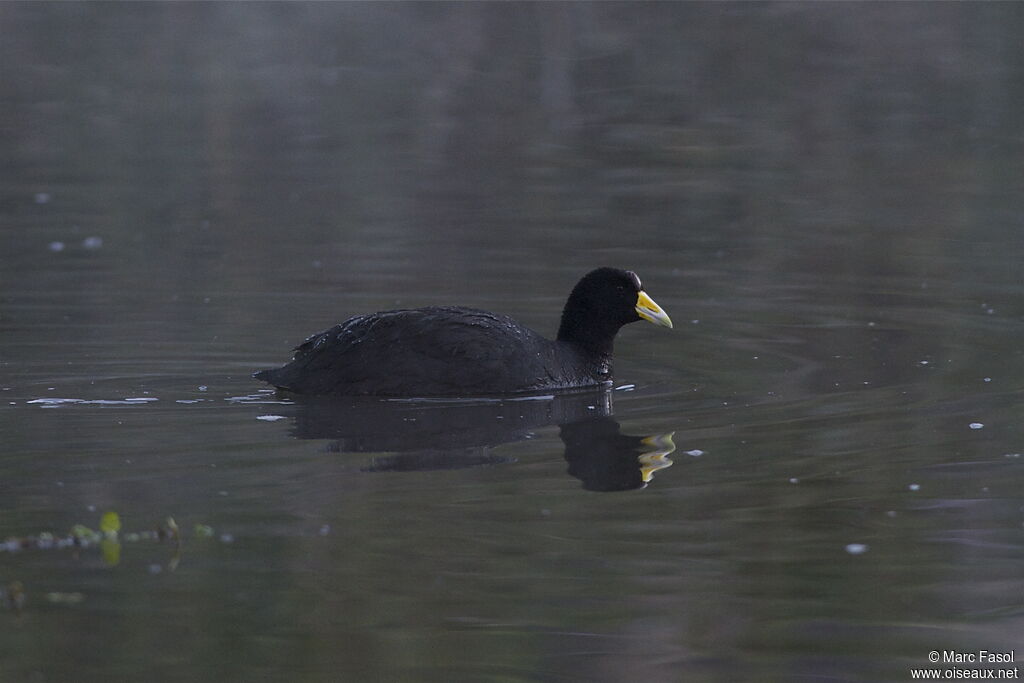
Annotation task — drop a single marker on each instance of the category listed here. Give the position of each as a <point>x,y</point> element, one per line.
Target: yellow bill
<point>650,311</point>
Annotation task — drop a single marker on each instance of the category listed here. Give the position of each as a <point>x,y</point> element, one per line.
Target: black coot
<point>456,351</point>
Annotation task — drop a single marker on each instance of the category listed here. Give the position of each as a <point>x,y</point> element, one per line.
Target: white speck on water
<point>92,242</point>
<point>891,513</point>
<point>222,493</point>
<point>872,323</point>
<point>696,452</point>
<point>914,487</point>
<point>227,538</point>
<point>856,548</point>
<point>626,387</point>
<point>1011,455</point>
<point>55,402</point>
<point>56,246</point>
<point>922,362</point>
<point>203,387</point>
<point>976,425</point>
<point>90,508</point>
<point>270,418</point>
<point>695,322</point>
<point>794,480</point>
<point>43,197</point>
<point>324,530</point>
<point>986,379</point>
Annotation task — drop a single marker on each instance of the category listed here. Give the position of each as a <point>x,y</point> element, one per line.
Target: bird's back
<point>433,351</point>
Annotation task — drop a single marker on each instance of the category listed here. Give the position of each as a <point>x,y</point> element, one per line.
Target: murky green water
<point>826,199</point>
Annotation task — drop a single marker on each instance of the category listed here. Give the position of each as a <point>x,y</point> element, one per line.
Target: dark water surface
<point>817,475</point>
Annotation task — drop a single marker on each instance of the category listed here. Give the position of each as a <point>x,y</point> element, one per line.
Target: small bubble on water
<point>324,530</point>
<point>986,379</point>
<point>856,548</point>
<point>976,425</point>
<point>92,242</point>
<point>794,480</point>
<point>270,418</point>
<point>696,452</point>
<point>227,538</point>
<point>43,197</point>
<point>914,487</point>
<point>56,246</point>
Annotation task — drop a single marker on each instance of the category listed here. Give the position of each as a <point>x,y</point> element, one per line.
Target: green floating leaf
<point>65,598</point>
<point>84,533</point>
<point>203,531</point>
<point>110,523</point>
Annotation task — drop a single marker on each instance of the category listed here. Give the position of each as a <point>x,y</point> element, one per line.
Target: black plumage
<point>457,351</point>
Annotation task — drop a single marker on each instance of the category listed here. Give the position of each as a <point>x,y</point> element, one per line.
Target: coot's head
<point>602,302</point>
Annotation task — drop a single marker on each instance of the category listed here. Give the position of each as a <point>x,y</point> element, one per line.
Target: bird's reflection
<point>604,459</point>
<point>420,435</point>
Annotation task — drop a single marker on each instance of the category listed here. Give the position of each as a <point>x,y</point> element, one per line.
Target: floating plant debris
<point>108,539</point>
<point>81,536</point>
